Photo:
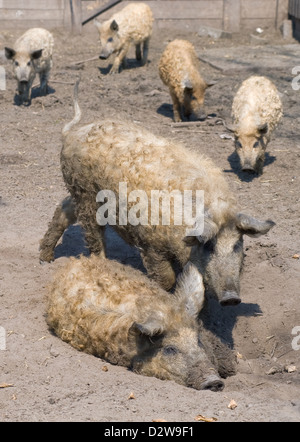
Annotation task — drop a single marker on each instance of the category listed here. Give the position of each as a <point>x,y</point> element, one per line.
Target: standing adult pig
<point>256,111</point>
<point>179,70</point>
<point>31,55</point>
<point>115,312</point>
<point>132,25</point>
<point>101,155</point>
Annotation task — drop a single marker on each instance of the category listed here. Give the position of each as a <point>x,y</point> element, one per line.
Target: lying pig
<point>256,110</point>
<point>32,54</point>
<point>132,25</point>
<point>179,70</point>
<point>101,155</point>
<point>115,312</point>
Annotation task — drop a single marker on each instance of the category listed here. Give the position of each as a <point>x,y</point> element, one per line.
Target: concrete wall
<point>230,15</point>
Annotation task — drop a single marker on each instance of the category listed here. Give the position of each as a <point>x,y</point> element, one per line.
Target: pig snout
<point>200,114</point>
<point>230,293</point>
<point>104,54</point>
<point>230,298</point>
<point>211,382</point>
<point>248,167</point>
<point>23,84</point>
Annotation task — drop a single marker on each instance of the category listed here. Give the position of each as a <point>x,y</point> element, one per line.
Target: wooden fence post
<point>232,15</point>
<point>73,16</point>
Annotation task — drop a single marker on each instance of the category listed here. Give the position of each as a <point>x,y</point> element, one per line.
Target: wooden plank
<point>210,9</point>
<point>76,16</point>
<point>22,24</point>
<point>104,8</point>
<point>31,4</point>
<point>251,24</point>
<point>232,15</point>
<point>31,14</point>
<point>258,9</point>
<point>282,12</point>
<point>187,25</point>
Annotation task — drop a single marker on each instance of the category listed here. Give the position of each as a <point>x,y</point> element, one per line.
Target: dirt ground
<point>43,378</point>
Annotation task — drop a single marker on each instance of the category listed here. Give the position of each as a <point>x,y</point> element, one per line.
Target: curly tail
<point>77,113</point>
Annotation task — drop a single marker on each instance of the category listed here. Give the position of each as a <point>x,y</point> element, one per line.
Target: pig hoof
<point>230,298</point>
<point>212,383</point>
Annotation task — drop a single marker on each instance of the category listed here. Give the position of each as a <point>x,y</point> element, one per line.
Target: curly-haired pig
<point>256,111</point>
<point>115,312</point>
<point>32,54</point>
<point>130,26</point>
<point>97,157</point>
<point>179,70</point>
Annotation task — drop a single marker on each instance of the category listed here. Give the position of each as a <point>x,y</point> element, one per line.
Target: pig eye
<point>16,63</point>
<point>238,145</point>
<point>29,63</point>
<point>170,350</point>
<point>109,40</point>
<point>256,144</point>
<point>200,343</point>
<point>237,247</point>
<point>209,246</point>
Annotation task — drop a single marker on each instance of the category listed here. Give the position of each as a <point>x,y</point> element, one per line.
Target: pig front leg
<point>44,75</point>
<point>24,89</point>
<point>120,58</point>
<point>176,107</point>
<point>138,52</point>
<point>159,269</point>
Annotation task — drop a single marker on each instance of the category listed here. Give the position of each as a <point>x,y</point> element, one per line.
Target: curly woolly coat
<point>256,112</point>
<point>131,25</point>
<point>101,155</point>
<point>25,64</point>
<point>115,312</point>
<point>179,70</point>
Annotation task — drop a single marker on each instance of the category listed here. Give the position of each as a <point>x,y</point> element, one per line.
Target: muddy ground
<point>46,379</point>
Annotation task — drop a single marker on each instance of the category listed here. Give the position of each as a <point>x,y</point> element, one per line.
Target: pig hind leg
<point>63,217</point>
<point>94,233</point>
<point>159,268</point>
<point>145,51</point>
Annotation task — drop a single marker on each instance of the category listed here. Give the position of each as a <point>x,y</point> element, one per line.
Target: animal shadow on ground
<point>34,94</point>
<point>247,177</point>
<point>222,320</point>
<point>73,244</point>
<point>217,319</point>
<point>131,63</point>
<point>165,109</point>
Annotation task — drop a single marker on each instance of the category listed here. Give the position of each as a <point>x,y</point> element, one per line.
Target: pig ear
<point>9,53</point>
<point>36,54</point>
<point>230,127</point>
<point>190,289</point>
<point>263,129</point>
<point>150,327</point>
<point>202,231</point>
<point>251,226</point>
<point>114,26</point>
